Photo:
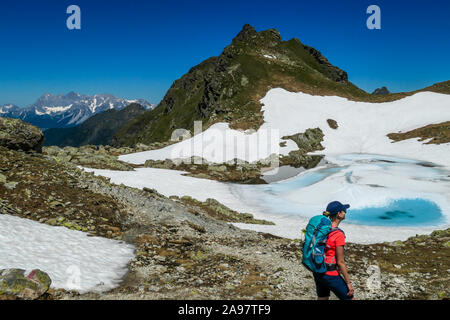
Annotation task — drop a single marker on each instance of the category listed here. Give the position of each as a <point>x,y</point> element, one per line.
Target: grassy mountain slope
<point>440,87</point>
<point>97,130</point>
<point>228,87</point>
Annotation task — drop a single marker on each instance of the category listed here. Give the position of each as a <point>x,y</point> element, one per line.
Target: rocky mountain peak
<point>382,90</point>
<point>247,32</point>
<point>254,39</point>
<point>72,95</point>
<point>229,87</point>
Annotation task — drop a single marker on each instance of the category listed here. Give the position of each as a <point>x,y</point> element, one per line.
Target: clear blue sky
<point>137,48</point>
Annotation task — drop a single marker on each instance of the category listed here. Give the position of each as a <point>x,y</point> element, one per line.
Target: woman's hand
<point>351,291</point>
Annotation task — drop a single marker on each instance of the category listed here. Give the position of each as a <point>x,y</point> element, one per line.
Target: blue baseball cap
<point>335,207</point>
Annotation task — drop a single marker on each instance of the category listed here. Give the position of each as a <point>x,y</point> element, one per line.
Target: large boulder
<point>18,135</point>
<point>15,284</point>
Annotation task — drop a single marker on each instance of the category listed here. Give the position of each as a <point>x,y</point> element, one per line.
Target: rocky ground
<point>184,253</point>
<point>435,134</point>
<point>187,249</point>
<point>234,171</point>
<point>99,157</point>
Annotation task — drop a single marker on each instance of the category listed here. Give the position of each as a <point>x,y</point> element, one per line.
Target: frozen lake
<point>382,191</point>
<point>391,198</point>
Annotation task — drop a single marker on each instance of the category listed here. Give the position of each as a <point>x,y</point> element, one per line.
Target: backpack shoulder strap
<point>337,229</point>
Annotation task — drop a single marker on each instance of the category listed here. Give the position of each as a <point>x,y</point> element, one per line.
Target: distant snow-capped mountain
<point>61,111</point>
<point>10,110</point>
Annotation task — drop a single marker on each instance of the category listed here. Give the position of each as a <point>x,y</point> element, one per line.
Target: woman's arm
<point>343,268</point>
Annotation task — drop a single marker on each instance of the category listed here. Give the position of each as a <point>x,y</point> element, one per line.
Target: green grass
<point>437,133</point>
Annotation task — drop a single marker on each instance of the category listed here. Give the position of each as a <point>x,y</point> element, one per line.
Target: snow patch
<point>72,259</point>
<point>50,110</point>
<point>363,128</point>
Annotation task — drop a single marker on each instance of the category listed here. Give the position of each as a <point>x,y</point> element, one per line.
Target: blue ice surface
<point>301,181</point>
<point>401,212</point>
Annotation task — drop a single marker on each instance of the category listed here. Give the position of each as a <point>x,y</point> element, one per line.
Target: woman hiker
<point>336,278</point>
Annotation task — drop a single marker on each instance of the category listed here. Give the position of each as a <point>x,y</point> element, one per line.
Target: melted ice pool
<point>404,212</point>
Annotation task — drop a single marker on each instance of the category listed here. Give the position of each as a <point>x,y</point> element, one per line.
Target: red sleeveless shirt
<point>336,238</point>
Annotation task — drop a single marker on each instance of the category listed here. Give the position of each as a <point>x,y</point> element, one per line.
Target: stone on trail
<point>15,284</point>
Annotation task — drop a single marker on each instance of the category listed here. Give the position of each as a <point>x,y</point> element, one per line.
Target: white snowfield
<point>362,132</point>
<point>72,259</point>
<point>363,128</point>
